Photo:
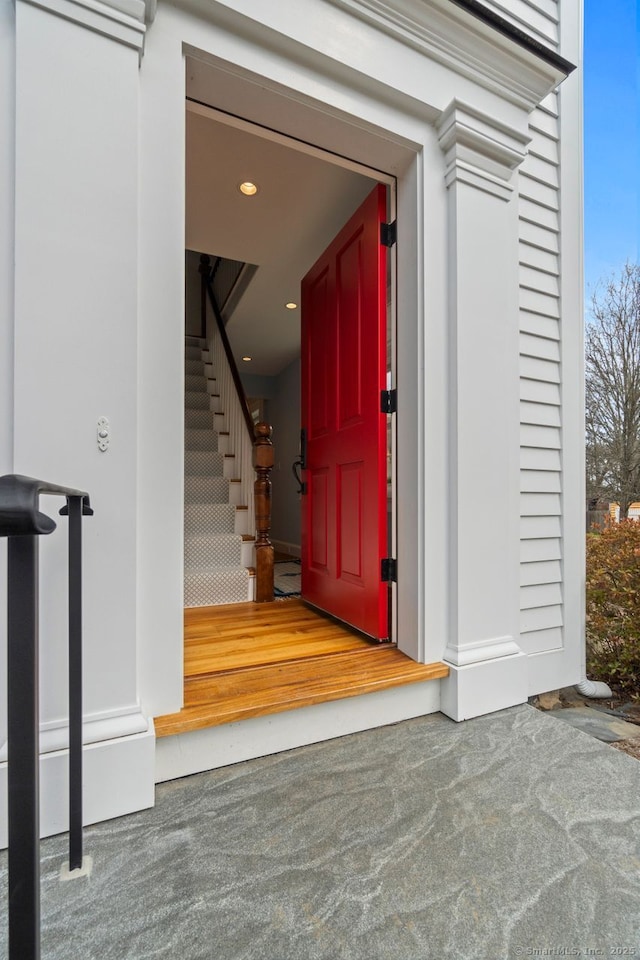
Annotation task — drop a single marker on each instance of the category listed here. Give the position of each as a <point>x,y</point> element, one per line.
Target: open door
<point>344,365</point>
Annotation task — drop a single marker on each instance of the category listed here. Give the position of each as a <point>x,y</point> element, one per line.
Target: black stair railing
<point>206,272</point>
<point>21,522</point>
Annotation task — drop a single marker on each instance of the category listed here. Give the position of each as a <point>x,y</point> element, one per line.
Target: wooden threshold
<point>247,660</point>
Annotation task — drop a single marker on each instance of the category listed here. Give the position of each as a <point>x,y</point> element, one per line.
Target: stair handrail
<point>22,522</point>
<point>205,272</point>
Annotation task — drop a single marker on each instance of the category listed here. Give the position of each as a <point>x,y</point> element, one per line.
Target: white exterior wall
<point>422,92</point>
<point>73,357</point>
<point>552,534</point>
<point>538,18</point>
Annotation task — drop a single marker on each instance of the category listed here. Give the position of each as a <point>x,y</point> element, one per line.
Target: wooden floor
<point>248,659</point>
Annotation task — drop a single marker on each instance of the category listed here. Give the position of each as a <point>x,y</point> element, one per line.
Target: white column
<point>487,668</point>
<point>75,317</point>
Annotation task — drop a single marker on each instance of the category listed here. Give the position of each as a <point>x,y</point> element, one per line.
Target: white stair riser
<point>242,522</point>
<point>248,553</point>
<point>235,492</point>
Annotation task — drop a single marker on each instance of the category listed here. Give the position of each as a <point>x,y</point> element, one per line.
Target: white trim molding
<point>479,150</point>
<point>119,749</point>
<point>464,654</point>
<point>449,35</point>
<point>480,157</point>
<point>54,734</point>
<point>120,20</point>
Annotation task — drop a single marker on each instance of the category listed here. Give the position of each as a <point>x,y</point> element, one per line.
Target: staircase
<point>218,545</point>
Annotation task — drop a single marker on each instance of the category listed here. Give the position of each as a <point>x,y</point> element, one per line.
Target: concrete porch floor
<point>508,836</point>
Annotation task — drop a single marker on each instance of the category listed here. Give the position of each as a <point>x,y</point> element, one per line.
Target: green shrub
<point>613,607</point>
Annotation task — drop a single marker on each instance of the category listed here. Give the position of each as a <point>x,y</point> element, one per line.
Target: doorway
<point>300,199</point>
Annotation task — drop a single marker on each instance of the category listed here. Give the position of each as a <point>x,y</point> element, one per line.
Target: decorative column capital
<point>479,150</point>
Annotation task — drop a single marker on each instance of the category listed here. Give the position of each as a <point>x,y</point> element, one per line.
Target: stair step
<point>206,489</point>
<point>192,367</point>
<point>198,419</point>
<point>204,463</point>
<point>209,518</point>
<point>194,382</point>
<point>216,551</point>
<point>250,660</point>
<point>224,550</point>
<point>196,400</point>
<point>198,438</point>
<point>213,586</point>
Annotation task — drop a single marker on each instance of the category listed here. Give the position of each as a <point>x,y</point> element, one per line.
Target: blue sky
<point>611,137</point>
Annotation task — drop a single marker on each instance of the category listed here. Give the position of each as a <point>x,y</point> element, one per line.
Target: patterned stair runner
<point>213,543</point>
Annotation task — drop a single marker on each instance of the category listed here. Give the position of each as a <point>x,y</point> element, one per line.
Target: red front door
<point>344,338</point>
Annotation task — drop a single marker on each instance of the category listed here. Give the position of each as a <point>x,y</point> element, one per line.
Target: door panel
<point>344,515</point>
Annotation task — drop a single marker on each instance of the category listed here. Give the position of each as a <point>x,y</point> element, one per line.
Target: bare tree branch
<point>612,358</point>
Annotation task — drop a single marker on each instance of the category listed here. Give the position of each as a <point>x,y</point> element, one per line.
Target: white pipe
<point>595,689</point>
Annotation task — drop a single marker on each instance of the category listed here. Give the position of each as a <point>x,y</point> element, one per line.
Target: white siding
<point>541,597</point>
<point>539,18</point>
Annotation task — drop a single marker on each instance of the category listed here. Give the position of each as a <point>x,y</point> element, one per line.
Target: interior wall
<point>284,411</point>
<point>255,385</point>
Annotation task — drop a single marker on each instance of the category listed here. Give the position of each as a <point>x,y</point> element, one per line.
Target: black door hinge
<point>388,233</point>
<point>388,401</point>
<point>389,570</point>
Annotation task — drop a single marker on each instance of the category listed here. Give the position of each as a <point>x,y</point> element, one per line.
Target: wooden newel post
<point>263,458</point>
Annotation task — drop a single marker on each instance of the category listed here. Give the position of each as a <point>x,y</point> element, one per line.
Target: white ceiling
<point>302,202</point>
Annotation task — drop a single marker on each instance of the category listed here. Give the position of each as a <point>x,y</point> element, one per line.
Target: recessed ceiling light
<point>248,188</point>
<point>246,358</point>
<point>291,305</point>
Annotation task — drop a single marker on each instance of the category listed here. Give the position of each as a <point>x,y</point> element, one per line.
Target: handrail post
<point>23,748</point>
<point>75,682</point>
<point>263,460</point>
<point>21,522</point>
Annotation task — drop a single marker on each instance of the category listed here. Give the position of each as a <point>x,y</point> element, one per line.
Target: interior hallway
<point>428,839</point>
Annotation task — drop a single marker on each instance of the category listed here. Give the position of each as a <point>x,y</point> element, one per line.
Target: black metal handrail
<point>21,522</point>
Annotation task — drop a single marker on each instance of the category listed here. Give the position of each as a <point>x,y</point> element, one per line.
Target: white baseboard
<point>293,548</point>
<point>484,687</point>
<point>118,778</point>
<point>187,753</point>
